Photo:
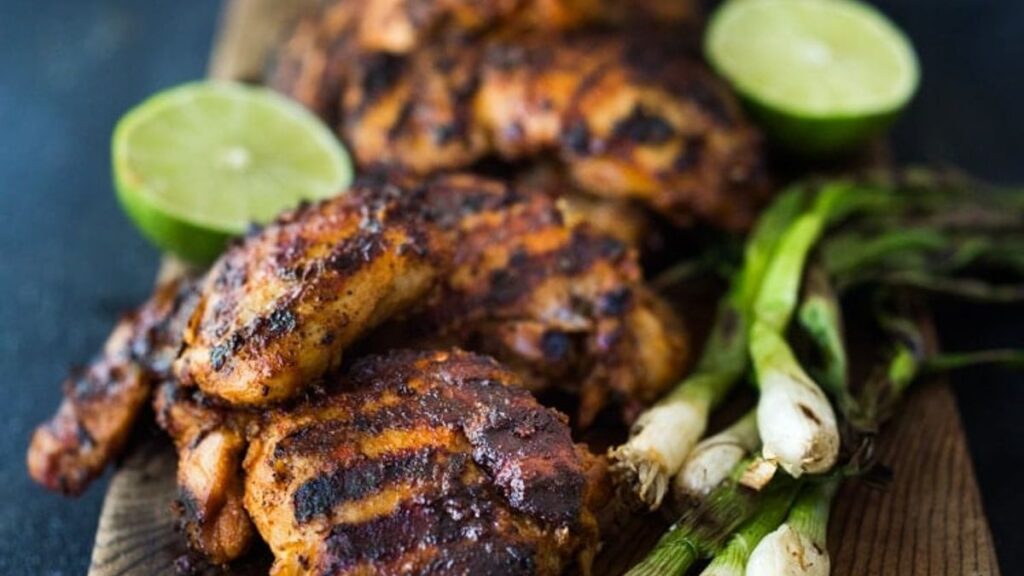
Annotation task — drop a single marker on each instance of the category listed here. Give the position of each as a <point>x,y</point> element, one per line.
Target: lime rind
<point>191,242</point>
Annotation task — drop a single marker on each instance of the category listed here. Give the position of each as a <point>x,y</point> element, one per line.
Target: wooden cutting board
<point>928,521</point>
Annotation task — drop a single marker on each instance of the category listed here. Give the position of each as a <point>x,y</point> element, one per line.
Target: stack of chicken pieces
<point>353,383</point>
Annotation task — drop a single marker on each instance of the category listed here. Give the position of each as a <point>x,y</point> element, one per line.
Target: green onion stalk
<point>731,560</point>
<point>798,546</point>
<point>890,236</point>
<point>934,232</point>
<point>664,435</point>
<point>796,422</point>
<point>713,459</point>
<point>820,317</point>
<point>703,530</point>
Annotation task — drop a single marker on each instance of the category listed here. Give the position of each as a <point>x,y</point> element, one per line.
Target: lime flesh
<point>820,75</point>
<point>200,163</point>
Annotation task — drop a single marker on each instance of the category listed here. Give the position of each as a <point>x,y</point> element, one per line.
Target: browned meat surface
<point>624,220</point>
<point>310,65</point>
<point>564,307</point>
<point>414,113</point>
<point>629,116</point>
<point>103,401</point>
<point>211,444</point>
<point>462,259</point>
<point>279,308</point>
<point>422,463</point>
<point>402,26</point>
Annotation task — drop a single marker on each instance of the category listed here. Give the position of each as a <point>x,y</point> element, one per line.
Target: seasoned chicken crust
<point>421,463</point>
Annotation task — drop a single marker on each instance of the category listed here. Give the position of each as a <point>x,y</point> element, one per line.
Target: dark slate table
<point>70,261</point>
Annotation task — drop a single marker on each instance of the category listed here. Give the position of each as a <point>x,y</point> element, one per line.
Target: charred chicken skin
<point>457,260</point>
<point>402,26</point>
<point>486,266</point>
<point>278,309</point>
<point>422,463</point>
<point>456,253</point>
<point>630,116</point>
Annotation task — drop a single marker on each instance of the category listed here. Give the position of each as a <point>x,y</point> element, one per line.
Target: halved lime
<point>820,75</point>
<point>199,163</point>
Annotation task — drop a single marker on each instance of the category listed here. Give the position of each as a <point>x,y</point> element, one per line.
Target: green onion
<point>664,435</point>
<point>959,360</point>
<point>933,232</point>
<point>821,318</point>
<point>796,422</point>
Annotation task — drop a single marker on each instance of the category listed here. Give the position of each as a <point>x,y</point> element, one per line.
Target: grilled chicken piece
<point>423,463</point>
<point>211,444</point>
<point>279,308</point>
<point>629,116</point>
<point>402,26</point>
<point>565,307</point>
<point>103,401</point>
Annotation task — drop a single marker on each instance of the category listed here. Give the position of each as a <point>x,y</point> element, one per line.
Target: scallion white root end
<point>759,473</point>
<point>660,441</point>
<point>794,417</point>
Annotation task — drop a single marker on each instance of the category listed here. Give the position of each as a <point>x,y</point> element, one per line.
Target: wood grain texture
<point>248,31</point>
<point>929,521</point>
<point>136,532</point>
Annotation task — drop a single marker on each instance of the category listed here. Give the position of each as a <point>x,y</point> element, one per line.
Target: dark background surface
<point>69,260</point>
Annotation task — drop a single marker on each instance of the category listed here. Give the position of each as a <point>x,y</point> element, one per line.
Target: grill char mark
<point>319,495</point>
<point>279,308</point>
<point>526,449</point>
<point>467,515</point>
